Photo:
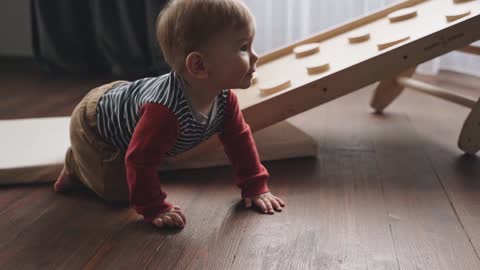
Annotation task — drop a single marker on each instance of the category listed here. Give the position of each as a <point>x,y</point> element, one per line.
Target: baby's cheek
<point>245,67</point>
<point>239,70</point>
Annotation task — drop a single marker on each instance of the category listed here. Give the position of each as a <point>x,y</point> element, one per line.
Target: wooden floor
<point>386,191</point>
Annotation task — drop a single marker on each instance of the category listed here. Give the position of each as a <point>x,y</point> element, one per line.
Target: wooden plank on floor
<point>323,201</point>
<point>426,230</point>
<point>12,193</point>
<point>17,217</point>
<point>459,174</point>
<point>50,231</point>
<point>21,94</point>
<point>206,195</point>
<point>335,218</point>
<point>398,147</point>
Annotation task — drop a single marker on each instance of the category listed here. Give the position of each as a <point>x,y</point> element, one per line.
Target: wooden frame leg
<point>469,139</point>
<point>475,50</point>
<point>388,90</point>
<point>436,91</point>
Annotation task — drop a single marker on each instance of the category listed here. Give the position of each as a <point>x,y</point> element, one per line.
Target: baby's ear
<point>195,65</point>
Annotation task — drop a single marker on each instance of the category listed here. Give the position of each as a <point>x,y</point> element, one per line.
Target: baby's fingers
<point>158,222</point>
<point>280,201</point>
<point>261,204</point>
<point>276,205</point>
<point>179,212</point>
<point>178,221</point>
<point>167,220</point>
<point>269,205</point>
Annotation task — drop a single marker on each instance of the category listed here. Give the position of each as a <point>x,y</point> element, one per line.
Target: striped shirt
<point>118,112</point>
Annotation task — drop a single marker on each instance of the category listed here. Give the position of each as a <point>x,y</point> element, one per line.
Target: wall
<point>15,28</point>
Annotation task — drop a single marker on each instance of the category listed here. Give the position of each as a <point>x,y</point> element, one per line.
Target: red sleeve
<point>250,175</point>
<point>155,133</point>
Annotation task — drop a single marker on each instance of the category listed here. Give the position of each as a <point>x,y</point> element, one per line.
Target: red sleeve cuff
<point>254,188</point>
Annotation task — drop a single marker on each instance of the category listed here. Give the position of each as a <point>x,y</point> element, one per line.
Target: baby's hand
<point>266,202</point>
<point>174,218</point>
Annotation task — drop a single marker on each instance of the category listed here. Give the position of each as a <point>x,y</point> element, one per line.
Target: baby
<point>121,131</point>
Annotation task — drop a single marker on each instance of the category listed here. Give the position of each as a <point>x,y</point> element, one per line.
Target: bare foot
<point>66,182</point>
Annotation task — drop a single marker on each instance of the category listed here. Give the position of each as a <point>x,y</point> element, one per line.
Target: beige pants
<point>97,164</point>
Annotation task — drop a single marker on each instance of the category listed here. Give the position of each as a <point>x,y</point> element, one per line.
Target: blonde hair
<point>184,26</point>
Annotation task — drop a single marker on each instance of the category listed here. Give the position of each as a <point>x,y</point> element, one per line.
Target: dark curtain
<point>113,37</point>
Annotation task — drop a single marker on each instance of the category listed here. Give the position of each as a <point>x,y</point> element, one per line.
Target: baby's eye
<point>244,48</point>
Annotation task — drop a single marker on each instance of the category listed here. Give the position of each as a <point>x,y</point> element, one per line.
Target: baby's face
<point>231,59</point>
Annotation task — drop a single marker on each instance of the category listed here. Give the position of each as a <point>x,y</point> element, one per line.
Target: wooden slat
<point>436,91</point>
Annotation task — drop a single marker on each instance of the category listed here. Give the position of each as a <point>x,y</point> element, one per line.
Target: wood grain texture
<point>438,132</point>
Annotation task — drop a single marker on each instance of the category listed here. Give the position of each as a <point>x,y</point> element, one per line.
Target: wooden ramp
<point>372,48</point>
<point>33,150</point>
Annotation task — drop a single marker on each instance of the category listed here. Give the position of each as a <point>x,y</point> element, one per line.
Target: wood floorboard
<point>427,232</point>
<point>386,191</point>
<point>438,124</point>
<point>459,174</point>
<point>12,193</point>
<point>38,95</point>
<point>335,218</point>
<point>410,184</point>
<point>60,230</point>
<point>204,207</point>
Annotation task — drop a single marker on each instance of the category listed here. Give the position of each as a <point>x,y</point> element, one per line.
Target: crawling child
<point>121,131</point>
